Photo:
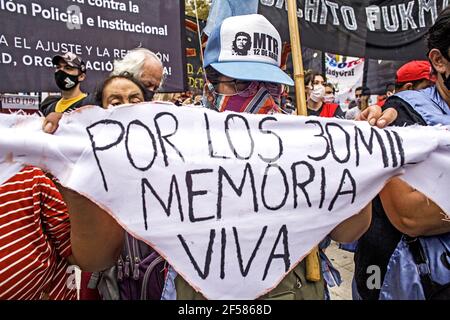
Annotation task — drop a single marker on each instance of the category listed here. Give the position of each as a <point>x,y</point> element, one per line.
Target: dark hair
<point>148,95</point>
<point>390,86</point>
<point>438,36</point>
<point>364,91</point>
<point>330,85</point>
<point>311,75</point>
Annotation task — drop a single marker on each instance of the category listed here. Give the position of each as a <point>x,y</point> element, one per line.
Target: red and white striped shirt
<point>34,239</point>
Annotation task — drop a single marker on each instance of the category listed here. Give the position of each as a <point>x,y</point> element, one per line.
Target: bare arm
<point>411,212</point>
<point>96,238</point>
<point>354,227</point>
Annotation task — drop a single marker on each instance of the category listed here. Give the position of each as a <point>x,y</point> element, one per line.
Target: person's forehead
<point>121,86</point>
<point>318,77</point>
<point>151,66</point>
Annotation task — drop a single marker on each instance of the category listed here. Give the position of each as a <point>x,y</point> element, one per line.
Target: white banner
<point>346,74</point>
<point>232,201</point>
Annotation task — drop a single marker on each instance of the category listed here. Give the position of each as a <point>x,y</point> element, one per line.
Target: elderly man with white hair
<point>144,65</point>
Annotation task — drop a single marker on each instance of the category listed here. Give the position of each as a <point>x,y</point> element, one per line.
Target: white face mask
<point>317,93</point>
<point>328,98</point>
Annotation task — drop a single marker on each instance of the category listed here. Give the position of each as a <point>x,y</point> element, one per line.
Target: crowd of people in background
<point>413,75</point>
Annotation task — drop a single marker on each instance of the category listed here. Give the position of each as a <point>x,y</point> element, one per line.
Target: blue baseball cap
<point>246,47</point>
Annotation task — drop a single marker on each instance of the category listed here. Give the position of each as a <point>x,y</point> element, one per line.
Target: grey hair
<point>133,62</point>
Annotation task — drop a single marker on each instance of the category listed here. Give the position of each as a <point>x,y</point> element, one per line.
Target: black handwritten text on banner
<point>232,201</point>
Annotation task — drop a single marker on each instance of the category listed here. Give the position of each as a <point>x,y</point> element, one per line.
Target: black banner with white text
<point>391,30</point>
<point>100,31</point>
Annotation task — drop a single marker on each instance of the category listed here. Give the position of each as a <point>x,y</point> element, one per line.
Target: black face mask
<point>148,94</point>
<point>446,80</point>
<point>65,81</point>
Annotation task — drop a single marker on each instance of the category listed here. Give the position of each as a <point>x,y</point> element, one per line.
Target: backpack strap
<point>420,259</point>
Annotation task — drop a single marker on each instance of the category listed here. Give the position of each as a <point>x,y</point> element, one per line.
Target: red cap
<point>414,70</point>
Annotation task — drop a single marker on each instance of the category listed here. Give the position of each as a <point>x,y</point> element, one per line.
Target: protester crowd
<point>46,227</point>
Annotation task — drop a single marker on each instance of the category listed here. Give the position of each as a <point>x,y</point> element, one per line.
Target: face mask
<point>317,93</point>
<point>148,94</point>
<point>446,80</point>
<point>65,81</point>
<point>329,98</point>
<point>243,101</point>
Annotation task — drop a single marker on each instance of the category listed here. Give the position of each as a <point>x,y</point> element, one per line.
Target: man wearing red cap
<point>404,221</point>
<point>414,75</point>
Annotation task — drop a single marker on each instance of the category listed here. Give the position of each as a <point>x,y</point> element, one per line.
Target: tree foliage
<point>202,8</point>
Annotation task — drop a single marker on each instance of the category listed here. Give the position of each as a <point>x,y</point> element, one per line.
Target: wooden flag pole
<point>312,259</point>
<point>299,75</point>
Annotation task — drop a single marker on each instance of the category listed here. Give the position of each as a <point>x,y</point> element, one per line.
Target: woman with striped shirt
<point>34,239</point>
<point>38,241</point>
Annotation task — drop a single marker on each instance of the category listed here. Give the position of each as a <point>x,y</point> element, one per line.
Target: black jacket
<point>49,104</point>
